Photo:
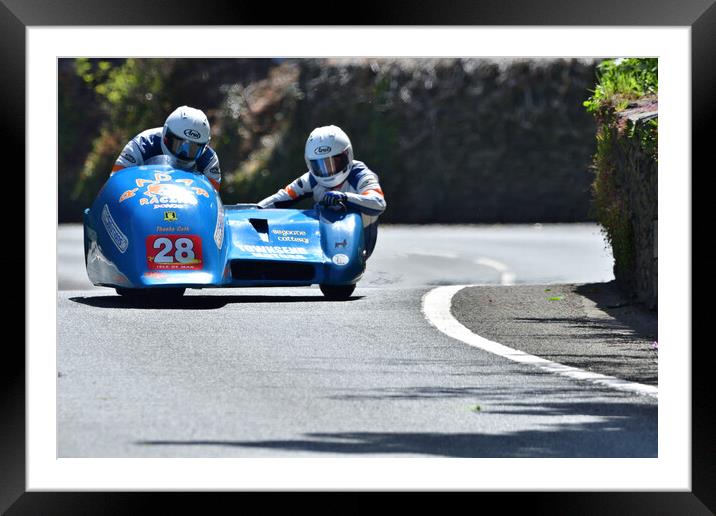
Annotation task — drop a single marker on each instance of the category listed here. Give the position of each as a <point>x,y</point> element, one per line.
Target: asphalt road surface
<point>279,372</point>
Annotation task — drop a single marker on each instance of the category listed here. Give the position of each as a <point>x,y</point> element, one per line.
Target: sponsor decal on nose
<point>115,234</point>
<point>340,259</point>
<point>155,189</point>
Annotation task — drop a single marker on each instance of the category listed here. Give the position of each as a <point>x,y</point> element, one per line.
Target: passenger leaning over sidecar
<point>335,178</point>
<point>184,138</point>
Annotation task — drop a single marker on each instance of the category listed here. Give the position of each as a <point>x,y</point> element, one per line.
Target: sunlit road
<point>433,255</point>
<point>281,372</point>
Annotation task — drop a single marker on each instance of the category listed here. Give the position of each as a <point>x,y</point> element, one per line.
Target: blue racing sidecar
<point>155,231</point>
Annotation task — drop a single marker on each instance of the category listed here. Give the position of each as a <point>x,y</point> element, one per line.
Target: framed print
<point>380,381</point>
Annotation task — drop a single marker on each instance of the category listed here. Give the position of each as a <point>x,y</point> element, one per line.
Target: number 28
<point>181,250</point>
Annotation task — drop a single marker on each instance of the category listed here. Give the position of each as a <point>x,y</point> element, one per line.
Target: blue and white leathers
<point>148,144</point>
<point>362,189</point>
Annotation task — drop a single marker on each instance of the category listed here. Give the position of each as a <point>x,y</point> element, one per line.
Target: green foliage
<point>466,134</point>
<point>131,92</point>
<point>625,148</point>
<point>648,135</point>
<point>131,97</point>
<point>493,142</point>
<point>79,119</point>
<point>622,80</point>
<point>610,202</point>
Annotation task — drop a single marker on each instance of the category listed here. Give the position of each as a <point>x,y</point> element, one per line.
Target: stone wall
<point>627,196</point>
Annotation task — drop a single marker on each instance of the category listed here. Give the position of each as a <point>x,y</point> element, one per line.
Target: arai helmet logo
<point>323,149</point>
<point>191,133</point>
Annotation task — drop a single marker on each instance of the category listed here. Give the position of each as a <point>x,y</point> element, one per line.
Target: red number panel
<point>174,252</point>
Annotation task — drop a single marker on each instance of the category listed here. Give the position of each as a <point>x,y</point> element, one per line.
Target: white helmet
<point>329,155</point>
<point>186,133</point>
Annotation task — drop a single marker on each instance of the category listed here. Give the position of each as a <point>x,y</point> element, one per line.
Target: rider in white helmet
<point>184,139</point>
<point>334,178</point>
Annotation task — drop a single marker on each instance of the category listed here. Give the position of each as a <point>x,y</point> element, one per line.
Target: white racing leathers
<point>361,187</point>
<point>148,144</point>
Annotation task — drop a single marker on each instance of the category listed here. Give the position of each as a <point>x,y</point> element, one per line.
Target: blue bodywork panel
<point>156,226</point>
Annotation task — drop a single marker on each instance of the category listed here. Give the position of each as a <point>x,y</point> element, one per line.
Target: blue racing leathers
<point>147,144</point>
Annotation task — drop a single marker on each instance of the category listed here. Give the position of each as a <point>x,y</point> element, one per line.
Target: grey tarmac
<point>280,372</point>
<point>590,326</point>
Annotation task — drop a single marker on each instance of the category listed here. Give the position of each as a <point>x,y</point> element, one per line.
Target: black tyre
<point>151,294</point>
<point>337,292</point>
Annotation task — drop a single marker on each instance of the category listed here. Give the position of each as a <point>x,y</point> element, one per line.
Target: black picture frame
<point>699,15</point>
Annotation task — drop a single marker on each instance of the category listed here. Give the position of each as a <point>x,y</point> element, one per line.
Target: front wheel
<point>337,292</point>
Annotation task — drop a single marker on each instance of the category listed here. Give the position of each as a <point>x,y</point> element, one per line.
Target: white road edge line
<point>507,277</point>
<point>436,308</point>
<point>432,254</point>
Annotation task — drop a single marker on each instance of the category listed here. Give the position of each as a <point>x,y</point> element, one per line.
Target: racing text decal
<point>219,229</point>
<point>164,192</point>
<point>274,251</point>
<point>290,235</point>
<point>119,238</point>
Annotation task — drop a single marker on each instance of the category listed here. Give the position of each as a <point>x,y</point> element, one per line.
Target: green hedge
<point>625,165</point>
<point>453,140</point>
<point>105,102</point>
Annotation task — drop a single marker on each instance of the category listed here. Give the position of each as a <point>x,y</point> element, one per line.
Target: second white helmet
<point>329,155</point>
<point>186,133</point>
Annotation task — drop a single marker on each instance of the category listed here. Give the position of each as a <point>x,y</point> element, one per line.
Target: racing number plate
<point>174,252</point>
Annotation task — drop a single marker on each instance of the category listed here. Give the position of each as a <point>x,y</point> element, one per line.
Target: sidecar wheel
<point>337,292</point>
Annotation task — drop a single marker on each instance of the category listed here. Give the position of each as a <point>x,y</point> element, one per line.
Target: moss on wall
<point>625,186</point>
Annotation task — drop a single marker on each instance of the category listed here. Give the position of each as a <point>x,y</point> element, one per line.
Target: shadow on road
<point>612,330</point>
<point>590,326</point>
<point>616,426</point>
<point>631,315</point>
<point>618,430</point>
<point>501,396</point>
<point>197,302</point>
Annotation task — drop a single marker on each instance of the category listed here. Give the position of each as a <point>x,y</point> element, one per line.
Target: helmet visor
<point>182,148</point>
<point>330,166</point>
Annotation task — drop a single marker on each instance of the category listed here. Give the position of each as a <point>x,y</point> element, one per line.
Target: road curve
<point>278,372</point>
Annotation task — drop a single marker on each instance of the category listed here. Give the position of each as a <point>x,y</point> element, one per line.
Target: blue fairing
<point>155,226</point>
